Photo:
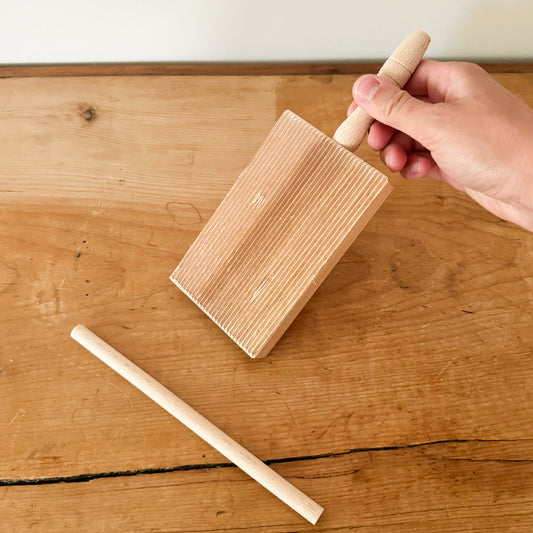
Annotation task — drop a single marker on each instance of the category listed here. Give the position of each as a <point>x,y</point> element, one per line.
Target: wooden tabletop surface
<point>401,398</point>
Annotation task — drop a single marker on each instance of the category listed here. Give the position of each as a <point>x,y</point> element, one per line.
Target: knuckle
<point>467,70</point>
<point>468,78</point>
<point>473,68</point>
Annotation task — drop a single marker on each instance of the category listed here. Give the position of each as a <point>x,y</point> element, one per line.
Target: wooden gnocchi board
<point>288,219</point>
<point>283,226</point>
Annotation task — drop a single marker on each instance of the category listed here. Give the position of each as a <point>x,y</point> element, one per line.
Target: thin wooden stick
<point>238,455</point>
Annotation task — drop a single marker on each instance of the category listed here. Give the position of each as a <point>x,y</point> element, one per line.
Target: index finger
<point>431,79</point>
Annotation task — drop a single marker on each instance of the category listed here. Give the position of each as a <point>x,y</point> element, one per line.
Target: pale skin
<point>455,123</point>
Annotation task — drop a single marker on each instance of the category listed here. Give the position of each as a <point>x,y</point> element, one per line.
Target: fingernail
<point>366,87</point>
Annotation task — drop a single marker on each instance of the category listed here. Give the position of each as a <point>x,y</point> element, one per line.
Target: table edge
<point>219,69</point>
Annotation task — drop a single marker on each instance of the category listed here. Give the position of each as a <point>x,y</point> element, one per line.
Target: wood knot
<point>87,112</point>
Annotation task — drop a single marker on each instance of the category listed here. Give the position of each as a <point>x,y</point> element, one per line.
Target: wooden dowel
<point>238,455</point>
<point>398,69</point>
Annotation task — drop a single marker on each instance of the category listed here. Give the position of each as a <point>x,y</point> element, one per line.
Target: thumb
<point>385,102</point>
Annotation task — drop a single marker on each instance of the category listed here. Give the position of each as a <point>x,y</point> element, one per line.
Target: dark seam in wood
<point>181,468</point>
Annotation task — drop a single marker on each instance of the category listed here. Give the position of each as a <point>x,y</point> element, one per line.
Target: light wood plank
<point>448,488</point>
<point>421,333</point>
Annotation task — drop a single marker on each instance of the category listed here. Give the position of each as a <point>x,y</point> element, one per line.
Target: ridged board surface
<point>279,231</point>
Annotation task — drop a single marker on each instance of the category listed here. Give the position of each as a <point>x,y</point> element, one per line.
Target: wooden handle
<point>398,68</point>
<point>238,455</point>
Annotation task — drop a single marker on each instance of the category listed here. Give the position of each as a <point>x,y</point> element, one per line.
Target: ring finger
<point>395,153</point>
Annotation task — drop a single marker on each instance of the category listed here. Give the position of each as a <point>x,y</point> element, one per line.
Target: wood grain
<point>440,488</point>
<point>421,334</point>
<point>290,216</point>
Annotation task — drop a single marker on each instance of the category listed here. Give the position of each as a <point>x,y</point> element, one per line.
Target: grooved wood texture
<point>285,223</point>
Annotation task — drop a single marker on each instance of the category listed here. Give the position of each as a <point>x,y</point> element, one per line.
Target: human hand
<point>455,123</point>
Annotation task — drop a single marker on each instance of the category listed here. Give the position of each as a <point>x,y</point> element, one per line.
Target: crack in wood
<point>80,478</point>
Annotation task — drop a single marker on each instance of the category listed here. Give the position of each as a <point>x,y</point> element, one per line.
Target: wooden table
<point>400,399</point>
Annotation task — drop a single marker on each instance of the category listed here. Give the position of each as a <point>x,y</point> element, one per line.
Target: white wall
<point>71,31</point>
